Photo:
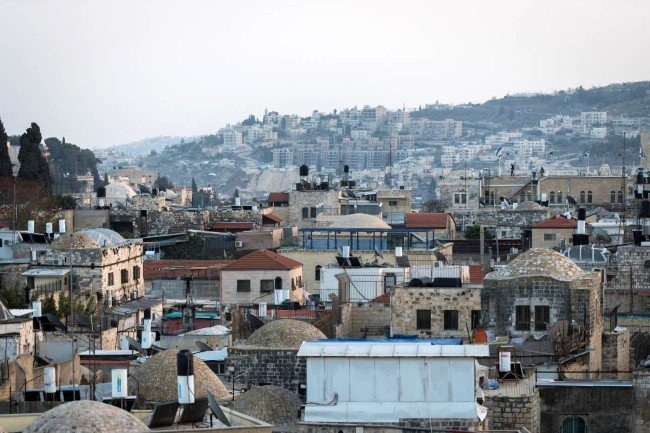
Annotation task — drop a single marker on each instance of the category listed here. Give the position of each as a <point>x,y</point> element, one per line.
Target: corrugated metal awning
<point>389,349</point>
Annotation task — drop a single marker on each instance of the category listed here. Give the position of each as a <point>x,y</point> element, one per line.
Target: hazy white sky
<point>107,72</point>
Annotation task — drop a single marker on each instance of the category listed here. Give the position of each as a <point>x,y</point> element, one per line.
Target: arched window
<point>620,196</point>
<point>552,197</point>
<point>574,424</point>
<point>582,197</point>
<point>317,272</point>
<point>559,197</point>
<point>590,197</point>
<point>612,197</point>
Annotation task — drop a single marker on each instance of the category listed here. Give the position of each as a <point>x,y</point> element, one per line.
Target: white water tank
<point>185,376</point>
<point>33,253</point>
<point>48,228</point>
<point>36,306</point>
<point>504,361</point>
<point>30,226</point>
<point>101,202</point>
<point>261,309</point>
<point>345,253</point>
<point>61,226</point>
<point>398,251</point>
<point>119,383</point>
<point>145,340</point>
<point>49,379</point>
<point>124,343</point>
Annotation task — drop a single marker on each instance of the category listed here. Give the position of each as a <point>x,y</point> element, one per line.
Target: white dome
<point>359,221</point>
<point>119,191</point>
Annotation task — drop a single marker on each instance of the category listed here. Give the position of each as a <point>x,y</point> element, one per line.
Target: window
<point>266,286</point>
<point>392,203</point>
<point>612,197</point>
<point>590,197</point>
<point>243,285</point>
<point>476,318</point>
<point>312,212</point>
<point>620,196</point>
<point>559,197</point>
<point>552,197</point>
<point>111,279</point>
<point>423,319</point>
<point>390,281</point>
<point>549,236</point>
<point>460,198</point>
<point>451,319</point>
<point>542,317</point>
<point>317,272</point>
<point>574,424</point>
<point>124,276</point>
<point>522,197</point>
<point>582,197</point>
<point>305,212</point>
<point>136,272</point>
<point>522,318</point>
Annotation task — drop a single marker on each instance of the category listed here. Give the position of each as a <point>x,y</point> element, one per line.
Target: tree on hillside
<point>5,161</point>
<point>163,182</point>
<point>33,165</point>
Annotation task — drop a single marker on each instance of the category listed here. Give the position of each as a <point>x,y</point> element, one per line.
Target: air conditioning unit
<point>239,244</point>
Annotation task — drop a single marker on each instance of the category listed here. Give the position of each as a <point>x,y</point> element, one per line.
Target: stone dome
<point>73,240</point>
<point>86,416</point>
<point>270,404</point>
<point>529,205</point>
<point>157,379</point>
<point>539,262</point>
<point>284,334</point>
<point>359,221</point>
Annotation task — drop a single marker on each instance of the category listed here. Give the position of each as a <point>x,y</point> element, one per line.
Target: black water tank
<point>101,192</point>
<point>346,168</point>
<point>580,239</point>
<point>582,214</point>
<point>154,191</point>
<point>304,171</point>
<point>185,363</point>
<point>644,211</point>
<point>278,283</point>
<point>147,313</point>
<point>421,282</point>
<point>447,282</point>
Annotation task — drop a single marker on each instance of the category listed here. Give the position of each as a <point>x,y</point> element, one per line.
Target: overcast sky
<point>109,72</point>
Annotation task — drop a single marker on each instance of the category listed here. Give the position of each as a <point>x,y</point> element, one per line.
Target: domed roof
<point>86,416</point>
<point>539,262</point>
<point>529,205</point>
<point>157,378</point>
<point>270,404</point>
<point>119,191</point>
<point>284,334</point>
<point>73,240</point>
<point>359,221</point>
<point>104,237</point>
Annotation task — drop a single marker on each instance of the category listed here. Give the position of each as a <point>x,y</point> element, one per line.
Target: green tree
<point>66,202</point>
<point>33,165</point>
<point>474,232</point>
<point>163,182</point>
<point>12,295</point>
<point>49,305</point>
<point>5,161</point>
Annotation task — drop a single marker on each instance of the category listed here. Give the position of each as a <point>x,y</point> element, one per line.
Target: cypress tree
<point>5,161</point>
<point>33,165</point>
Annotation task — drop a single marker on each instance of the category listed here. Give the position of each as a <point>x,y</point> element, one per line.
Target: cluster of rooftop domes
<point>157,379</point>
<point>86,416</point>
<point>284,334</point>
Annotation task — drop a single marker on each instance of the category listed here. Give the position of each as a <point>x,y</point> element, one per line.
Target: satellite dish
<point>482,202</point>
<point>133,344</point>
<point>378,253</point>
<point>571,200</point>
<point>601,235</point>
<point>254,321</point>
<point>54,322</point>
<point>203,347</point>
<point>143,189</point>
<point>441,257</point>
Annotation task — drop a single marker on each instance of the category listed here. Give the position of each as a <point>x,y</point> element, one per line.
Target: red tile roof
<point>263,259</point>
<point>278,197</point>
<point>382,299</point>
<point>476,274</point>
<point>201,269</point>
<point>232,226</point>
<point>427,220</point>
<point>558,222</point>
<point>273,217</point>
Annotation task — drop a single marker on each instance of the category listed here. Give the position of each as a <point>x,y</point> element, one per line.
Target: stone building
<point>257,277</point>
<point>439,225</point>
<point>553,232</point>
<point>509,223</point>
<point>438,311</point>
<point>102,262</point>
<point>541,288</point>
<point>269,356</point>
<point>304,206</point>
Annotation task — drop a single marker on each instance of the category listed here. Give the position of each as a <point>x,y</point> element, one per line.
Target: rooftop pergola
<point>326,238</point>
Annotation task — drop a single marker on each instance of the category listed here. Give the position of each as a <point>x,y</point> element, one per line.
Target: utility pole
<point>623,186</point>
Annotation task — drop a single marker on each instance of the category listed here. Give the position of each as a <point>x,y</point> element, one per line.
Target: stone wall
<point>605,409</point>
<point>641,380</point>
<point>320,199</point>
<point>633,273</point>
<point>616,351</point>
<point>265,366</point>
<point>511,413</point>
<point>358,321</point>
<point>405,302</point>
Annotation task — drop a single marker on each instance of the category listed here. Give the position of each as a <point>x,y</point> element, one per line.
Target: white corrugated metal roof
<point>389,349</point>
<point>46,272</point>
<point>21,312</point>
